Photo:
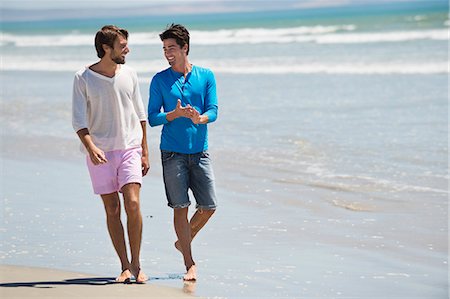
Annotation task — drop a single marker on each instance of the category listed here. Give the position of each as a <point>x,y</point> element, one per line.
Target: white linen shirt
<point>110,108</point>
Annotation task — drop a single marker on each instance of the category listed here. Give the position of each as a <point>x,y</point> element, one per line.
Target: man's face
<point>173,52</point>
<point>120,50</point>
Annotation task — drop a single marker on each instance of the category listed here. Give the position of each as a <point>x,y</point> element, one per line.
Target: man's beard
<point>118,60</point>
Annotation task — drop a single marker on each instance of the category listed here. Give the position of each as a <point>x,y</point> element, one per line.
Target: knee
<point>132,206</point>
<point>180,214</point>
<point>113,211</point>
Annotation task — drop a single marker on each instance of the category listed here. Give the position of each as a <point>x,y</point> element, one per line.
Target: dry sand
<point>28,282</point>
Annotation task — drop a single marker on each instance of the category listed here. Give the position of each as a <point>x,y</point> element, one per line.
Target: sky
<point>29,10</point>
<point>56,4</point>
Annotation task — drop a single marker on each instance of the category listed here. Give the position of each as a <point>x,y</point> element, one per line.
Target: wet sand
<point>30,282</point>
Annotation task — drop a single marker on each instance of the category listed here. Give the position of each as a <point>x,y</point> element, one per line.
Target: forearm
<point>211,114</point>
<point>157,119</point>
<point>145,160</point>
<point>86,139</point>
<point>144,138</point>
<point>96,155</point>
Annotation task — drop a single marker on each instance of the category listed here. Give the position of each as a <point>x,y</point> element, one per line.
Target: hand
<point>183,111</point>
<point>97,155</point>
<point>196,117</point>
<point>145,165</point>
<point>189,112</point>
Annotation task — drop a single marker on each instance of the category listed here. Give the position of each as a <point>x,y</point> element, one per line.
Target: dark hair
<point>179,33</point>
<point>106,36</point>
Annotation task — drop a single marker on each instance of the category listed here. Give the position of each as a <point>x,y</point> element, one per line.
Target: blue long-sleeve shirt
<point>199,90</point>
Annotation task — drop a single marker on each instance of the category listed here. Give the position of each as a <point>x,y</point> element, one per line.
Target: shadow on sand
<point>94,281</point>
<point>48,284</point>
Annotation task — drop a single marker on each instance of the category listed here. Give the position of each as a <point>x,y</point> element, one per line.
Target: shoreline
<point>26,282</point>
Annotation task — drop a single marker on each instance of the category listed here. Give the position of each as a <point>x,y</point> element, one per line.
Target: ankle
<point>125,267</point>
<point>189,266</point>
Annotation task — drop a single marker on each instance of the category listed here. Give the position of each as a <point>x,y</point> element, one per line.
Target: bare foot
<point>124,277</point>
<point>191,274</point>
<point>139,275</point>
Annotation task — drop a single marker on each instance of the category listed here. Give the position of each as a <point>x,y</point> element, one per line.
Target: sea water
<point>330,152</point>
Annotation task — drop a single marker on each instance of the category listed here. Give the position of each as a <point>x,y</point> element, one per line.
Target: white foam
<point>67,40</point>
<point>22,64</point>
<point>272,66</point>
<point>314,34</point>
<point>335,68</point>
<point>398,274</point>
<point>394,36</point>
<point>215,37</point>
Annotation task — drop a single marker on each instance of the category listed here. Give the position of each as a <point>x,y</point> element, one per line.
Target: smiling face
<point>175,55</point>
<point>120,50</point>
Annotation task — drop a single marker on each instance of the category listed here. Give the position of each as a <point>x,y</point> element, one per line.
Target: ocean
<point>330,152</point>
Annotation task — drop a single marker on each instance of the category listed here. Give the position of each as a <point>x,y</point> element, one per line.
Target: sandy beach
<point>29,282</point>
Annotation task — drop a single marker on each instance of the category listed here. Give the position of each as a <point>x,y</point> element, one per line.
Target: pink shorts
<point>123,167</point>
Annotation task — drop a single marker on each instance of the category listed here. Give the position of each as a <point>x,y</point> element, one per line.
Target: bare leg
<point>197,222</point>
<point>116,232</point>
<point>134,225</point>
<point>183,231</point>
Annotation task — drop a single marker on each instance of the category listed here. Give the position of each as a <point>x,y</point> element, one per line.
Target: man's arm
<point>97,155</point>
<point>211,107</point>
<point>145,160</point>
<point>79,121</point>
<point>155,102</point>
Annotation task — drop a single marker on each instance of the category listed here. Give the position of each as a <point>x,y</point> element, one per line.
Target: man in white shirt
<point>109,118</point>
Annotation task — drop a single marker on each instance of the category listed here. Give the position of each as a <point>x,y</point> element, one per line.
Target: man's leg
<point>197,222</point>
<point>201,182</point>
<point>176,182</point>
<point>183,231</point>
<point>116,232</point>
<point>134,225</point>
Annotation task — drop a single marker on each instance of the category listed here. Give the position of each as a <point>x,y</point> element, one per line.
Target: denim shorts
<point>182,172</point>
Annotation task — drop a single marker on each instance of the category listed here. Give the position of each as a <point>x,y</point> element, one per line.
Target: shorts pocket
<point>166,156</point>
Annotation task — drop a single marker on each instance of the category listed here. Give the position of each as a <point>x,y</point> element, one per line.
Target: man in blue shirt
<point>183,99</point>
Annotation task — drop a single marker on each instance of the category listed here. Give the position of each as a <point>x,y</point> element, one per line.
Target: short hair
<point>179,33</point>
<point>107,36</point>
